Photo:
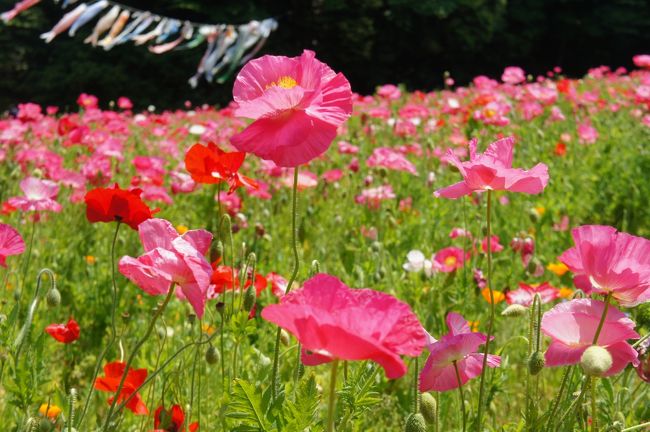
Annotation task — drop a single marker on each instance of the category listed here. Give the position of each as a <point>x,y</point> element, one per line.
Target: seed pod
<point>53,298</point>
<point>428,407</point>
<point>536,362</point>
<point>249,297</point>
<point>415,423</point>
<point>596,360</point>
<point>212,355</point>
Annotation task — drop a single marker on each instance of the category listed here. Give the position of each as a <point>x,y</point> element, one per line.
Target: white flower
<point>416,262</point>
<point>197,129</point>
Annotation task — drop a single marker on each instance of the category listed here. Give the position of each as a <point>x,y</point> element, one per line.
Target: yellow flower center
<point>450,261</point>
<point>489,113</point>
<point>285,82</point>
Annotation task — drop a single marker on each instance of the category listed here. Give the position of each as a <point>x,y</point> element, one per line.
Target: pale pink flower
<point>513,75</point>
<point>493,170</point>
<point>39,195</point>
<point>333,322</point>
<point>587,133</point>
<point>373,197</point>
<point>390,159</point>
<point>526,293</point>
<point>459,346</point>
<point>389,91</point>
<point>572,326</point>
<point>171,258</point>
<point>610,262</point>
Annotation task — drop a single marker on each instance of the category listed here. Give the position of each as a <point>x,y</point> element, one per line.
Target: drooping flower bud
<point>53,298</point>
<point>212,355</point>
<point>514,310</point>
<point>596,360</point>
<point>249,297</point>
<point>536,362</point>
<point>284,337</point>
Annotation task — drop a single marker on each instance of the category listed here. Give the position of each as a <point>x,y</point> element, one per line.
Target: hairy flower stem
<point>491,321</point>
<point>558,398</point>
<point>331,405</point>
<point>416,385</point>
<point>637,427</point>
<point>602,318</point>
<point>461,395</point>
<point>28,257</point>
<point>111,341</point>
<point>134,352</point>
<point>294,274</point>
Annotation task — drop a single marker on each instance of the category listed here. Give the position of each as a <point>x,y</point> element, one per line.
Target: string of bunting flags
<point>228,46</point>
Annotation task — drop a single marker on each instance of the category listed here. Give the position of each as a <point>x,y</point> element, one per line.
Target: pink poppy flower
<point>332,321</point>
<point>513,75</point>
<point>39,196</point>
<point>373,197</point>
<point>642,61</point>
<point>11,243</point>
<point>526,293</point>
<point>494,244</point>
<point>607,261</point>
<point>587,133</point>
<point>388,158</point>
<point>572,326</point>
<point>297,104</point>
<point>449,259</point>
<point>493,170</point>
<point>332,176</point>
<point>460,346</point>
<point>171,258</point>
<point>389,91</point>
<point>124,103</point>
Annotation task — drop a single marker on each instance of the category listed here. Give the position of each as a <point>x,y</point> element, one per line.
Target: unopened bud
<point>191,318</point>
<point>53,298</point>
<point>284,337</point>
<point>428,407</point>
<point>596,360</point>
<point>536,362</point>
<point>514,310</point>
<point>249,297</point>
<point>415,423</point>
<point>212,355</point>
<point>126,317</point>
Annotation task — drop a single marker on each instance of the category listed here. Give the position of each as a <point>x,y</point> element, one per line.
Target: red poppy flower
<point>560,149</point>
<point>134,379</point>
<point>171,420</point>
<point>65,333</point>
<point>222,279</point>
<point>211,165</point>
<point>108,205</point>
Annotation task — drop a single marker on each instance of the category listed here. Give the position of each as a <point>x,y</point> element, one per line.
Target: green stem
<point>461,395</point>
<point>594,411</point>
<point>28,258</point>
<point>113,329</point>
<point>637,427</point>
<point>294,274</point>
<point>416,385</point>
<point>332,398</point>
<point>602,318</point>
<point>491,321</point>
<point>556,403</point>
<point>137,347</point>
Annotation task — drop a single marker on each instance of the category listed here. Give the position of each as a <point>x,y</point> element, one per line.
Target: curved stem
<point>137,347</point>
<point>461,395</point>
<point>113,329</point>
<point>491,321</point>
<point>331,405</point>
<point>602,318</point>
<point>637,427</point>
<point>294,274</point>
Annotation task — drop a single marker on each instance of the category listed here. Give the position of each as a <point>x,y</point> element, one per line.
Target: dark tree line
<point>371,41</point>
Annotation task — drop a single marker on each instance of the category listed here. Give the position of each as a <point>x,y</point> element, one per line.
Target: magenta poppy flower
<point>607,261</point>
<point>460,346</point>
<point>449,259</point>
<point>297,104</point>
<point>40,195</point>
<point>494,244</point>
<point>572,326</point>
<point>171,258</point>
<point>493,170</point>
<point>526,293</point>
<point>11,243</point>
<point>332,321</point>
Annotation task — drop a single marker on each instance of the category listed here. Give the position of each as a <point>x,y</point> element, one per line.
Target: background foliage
<point>372,41</point>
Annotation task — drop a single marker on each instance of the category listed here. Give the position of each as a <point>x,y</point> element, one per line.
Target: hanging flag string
<point>228,46</point>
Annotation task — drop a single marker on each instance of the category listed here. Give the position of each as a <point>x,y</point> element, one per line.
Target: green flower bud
<point>249,297</point>
<point>428,407</point>
<point>536,362</point>
<point>514,310</point>
<point>415,423</point>
<point>596,360</point>
<point>284,337</point>
<point>212,355</point>
<point>53,298</point>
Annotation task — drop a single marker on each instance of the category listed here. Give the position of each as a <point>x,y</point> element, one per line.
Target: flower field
<point>307,258</point>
